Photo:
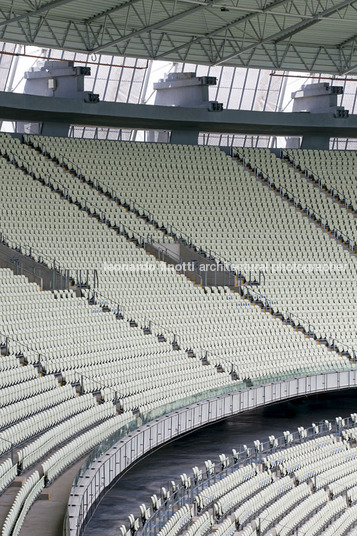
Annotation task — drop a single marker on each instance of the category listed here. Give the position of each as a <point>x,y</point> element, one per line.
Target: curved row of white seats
<point>177,522</point>
<point>8,471</point>
<point>28,502</point>
<point>140,368</point>
<point>18,411</point>
<point>17,375</point>
<point>242,493</point>
<point>323,517</point>
<point>276,510</point>
<point>308,458</point>
<point>201,526</point>
<point>284,455</point>
<point>156,381</point>
<point>29,490</point>
<point>31,426</point>
<point>258,502</point>
<point>150,386</point>
<point>9,362</point>
<point>27,389</point>
<point>62,432</point>
<point>159,397</point>
<point>213,492</point>
<point>302,511</point>
<point>337,478</point>
<point>73,450</point>
<point>343,524</point>
<point>310,470</point>
<point>122,358</point>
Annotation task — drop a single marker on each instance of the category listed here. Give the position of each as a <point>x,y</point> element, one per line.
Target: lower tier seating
<point>256,498</point>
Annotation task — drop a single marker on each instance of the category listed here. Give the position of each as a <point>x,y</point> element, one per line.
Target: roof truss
<point>278,34</point>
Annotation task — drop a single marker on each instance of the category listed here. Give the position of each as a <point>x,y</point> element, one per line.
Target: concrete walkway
<point>46,516</point>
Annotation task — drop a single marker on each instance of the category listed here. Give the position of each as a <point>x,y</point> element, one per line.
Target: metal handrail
<point>201,479</point>
<point>216,472</point>
<point>27,251</point>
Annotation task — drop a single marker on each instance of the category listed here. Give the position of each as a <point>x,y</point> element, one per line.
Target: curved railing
<point>93,480</point>
<point>215,470</point>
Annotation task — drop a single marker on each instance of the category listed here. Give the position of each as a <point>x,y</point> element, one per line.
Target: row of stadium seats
<point>18,411</point>
<point>22,503</point>
<point>26,428</point>
<point>62,432</point>
<point>282,456</point>
<point>207,496</point>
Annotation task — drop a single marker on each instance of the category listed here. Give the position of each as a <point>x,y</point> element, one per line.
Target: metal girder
<point>350,69</point>
<point>234,23</point>
<point>289,31</point>
<point>112,10</point>
<point>42,9</point>
<point>155,26</point>
<point>314,20</point>
<point>258,33</point>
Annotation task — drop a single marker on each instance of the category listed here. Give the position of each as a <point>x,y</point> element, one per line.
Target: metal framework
<point>313,35</point>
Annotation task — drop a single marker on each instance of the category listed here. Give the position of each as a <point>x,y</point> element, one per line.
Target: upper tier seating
<point>241,221</point>
<point>169,300</point>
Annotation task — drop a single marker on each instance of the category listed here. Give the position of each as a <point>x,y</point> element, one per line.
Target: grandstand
<point>178,245</point>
